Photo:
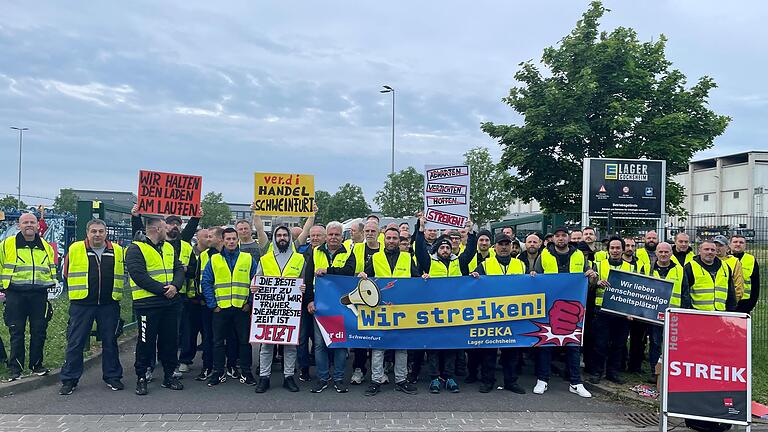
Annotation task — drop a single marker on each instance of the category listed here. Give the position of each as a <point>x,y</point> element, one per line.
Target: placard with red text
<point>446,196</point>
<point>276,313</point>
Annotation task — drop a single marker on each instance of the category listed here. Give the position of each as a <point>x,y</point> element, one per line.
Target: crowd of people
<point>191,291</point>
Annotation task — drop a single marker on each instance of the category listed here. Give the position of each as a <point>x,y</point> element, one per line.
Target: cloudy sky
<point>223,89</point>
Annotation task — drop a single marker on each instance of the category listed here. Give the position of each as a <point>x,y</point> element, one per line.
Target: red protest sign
<point>169,193</point>
<point>707,365</point>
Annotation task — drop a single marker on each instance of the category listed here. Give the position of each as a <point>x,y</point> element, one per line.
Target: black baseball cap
<point>560,228</point>
<point>501,237</point>
<point>173,219</point>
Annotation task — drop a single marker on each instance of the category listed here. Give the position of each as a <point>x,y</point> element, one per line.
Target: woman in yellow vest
<point>226,283</point>
<point>95,273</point>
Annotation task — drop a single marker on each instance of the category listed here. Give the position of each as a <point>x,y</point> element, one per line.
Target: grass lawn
<point>56,340</point>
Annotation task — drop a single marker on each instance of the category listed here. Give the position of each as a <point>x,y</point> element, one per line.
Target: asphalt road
<point>93,397</point>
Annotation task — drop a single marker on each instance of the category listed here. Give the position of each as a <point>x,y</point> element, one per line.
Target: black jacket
<point>137,268</point>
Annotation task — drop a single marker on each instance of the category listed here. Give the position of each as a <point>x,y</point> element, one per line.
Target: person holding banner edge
<point>390,263</point>
<point>332,257</point>
<point>226,282</point>
<point>560,257</point>
<point>610,331</point>
<point>501,263</point>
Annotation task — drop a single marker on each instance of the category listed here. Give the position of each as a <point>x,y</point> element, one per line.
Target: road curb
<point>621,393</point>
<point>29,383</point>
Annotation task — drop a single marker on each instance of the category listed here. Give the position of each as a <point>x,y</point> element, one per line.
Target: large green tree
<point>490,195</point>
<point>66,201</point>
<point>603,94</point>
<point>402,194</point>
<point>215,211</point>
<point>348,202</point>
<point>11,202</point>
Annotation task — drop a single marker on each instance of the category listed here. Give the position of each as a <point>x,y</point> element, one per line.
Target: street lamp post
<point>388,89</point>
<point>21,141</point>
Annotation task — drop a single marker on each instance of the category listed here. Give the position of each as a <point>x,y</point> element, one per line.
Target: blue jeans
<point>572,360</point>
<point>81,319</point>
<point>321,358</point>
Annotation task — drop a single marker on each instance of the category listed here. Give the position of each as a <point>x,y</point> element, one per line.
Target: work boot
<point>263,385</point>
<point>290,384</point>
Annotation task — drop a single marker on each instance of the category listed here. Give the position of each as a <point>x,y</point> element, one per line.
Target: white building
<point>731,185</point>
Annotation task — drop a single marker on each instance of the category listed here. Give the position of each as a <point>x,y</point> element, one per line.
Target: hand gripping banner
<point>451,313</point>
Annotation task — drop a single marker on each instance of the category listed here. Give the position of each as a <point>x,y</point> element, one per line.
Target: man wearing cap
<point>390,262</point>
<point>501,263</point>
<point>483,252</point>
<point>737,272</point>
<point>738,246</point>
<point>560,257</point>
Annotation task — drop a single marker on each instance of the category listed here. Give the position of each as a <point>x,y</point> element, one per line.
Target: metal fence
<point>698,228</point>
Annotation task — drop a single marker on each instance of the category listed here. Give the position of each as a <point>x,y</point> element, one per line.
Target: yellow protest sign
<point>284,194</point>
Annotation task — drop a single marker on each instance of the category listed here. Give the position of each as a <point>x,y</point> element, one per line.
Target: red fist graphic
<point>565,315</point>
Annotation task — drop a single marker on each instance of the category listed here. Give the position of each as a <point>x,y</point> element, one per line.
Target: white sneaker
<point>541,387</point>
<point>184,368</point>
<point>357,377</point>
<point>385,380</point>
<point>579,390</point>
<point>176,373</point>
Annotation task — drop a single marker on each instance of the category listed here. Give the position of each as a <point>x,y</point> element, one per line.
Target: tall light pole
<point>21,142</point>
<point>388,89</point>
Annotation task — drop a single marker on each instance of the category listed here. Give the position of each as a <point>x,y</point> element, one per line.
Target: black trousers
<point>638,333</point>
<point>360,360</point>
<point>158,332</point>
<point>225,322</point>
<point>510,358</point>
<point>610,333</point>
<point>474,361</point>
<point>416,360</point>
<point>448,358</point>
<point>20,307</point>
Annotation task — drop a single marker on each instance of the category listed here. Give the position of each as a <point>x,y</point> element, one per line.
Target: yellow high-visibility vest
<point>493,267</point>
<point>604,269</point>
<point>549,262</point>
<point>77,271</point>
<point>231,287</point>
<point>402,267</point>
<point>708,294</point>
<point>292,269</point>
<point>27,266</point>
<point>159,267</point>
<point>437,269</point>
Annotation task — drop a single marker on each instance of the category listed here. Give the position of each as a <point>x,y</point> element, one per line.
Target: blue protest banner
<point>451,313</point>
<point>639,296</point>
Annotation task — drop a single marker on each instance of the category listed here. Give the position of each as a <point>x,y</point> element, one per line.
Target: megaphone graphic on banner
<point>366,293</point>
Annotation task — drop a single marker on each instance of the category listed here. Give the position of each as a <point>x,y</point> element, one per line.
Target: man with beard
<point>531,252</point>
<point>560,257</point>
<point>299,237</point>
<point>682,253</point>
<point>390,263</point>
<point>27,270</point>
<point>180,241</point>
<point>638,330</point>
<point>363,253</point>
<point>332,257</point>
<point>502,263</point>
<point>279,259</point>
<point>156,276</point>
<point>226,284</point>
<point>483,252</point>
<point>609,331</point>
<point>442,263</point>
<point>590,239</point>
<point>738,246</point>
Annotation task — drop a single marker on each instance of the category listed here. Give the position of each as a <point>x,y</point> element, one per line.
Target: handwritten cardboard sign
<point>276,314</point>
<point>169,194</point>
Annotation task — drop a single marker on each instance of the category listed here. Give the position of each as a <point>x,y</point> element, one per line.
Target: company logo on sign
<point>648,191</point>
<point>625,189</point>
<point>611,171</point>
<point>728,402</point>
